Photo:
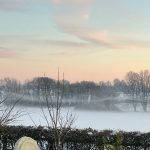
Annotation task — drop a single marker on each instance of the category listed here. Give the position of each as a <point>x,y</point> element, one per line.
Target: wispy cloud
<point>6,53</point>
<point>74,20</point>
<point>41,41</point>
<point>133,44</point>
<point>12,4</point>
<point>89,38</point>
<point>86,34</point>
<point>71,1</point>
<point>102,38</point>
<point>66,43</point>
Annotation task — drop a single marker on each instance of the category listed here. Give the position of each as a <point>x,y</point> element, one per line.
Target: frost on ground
<point>125,120</point>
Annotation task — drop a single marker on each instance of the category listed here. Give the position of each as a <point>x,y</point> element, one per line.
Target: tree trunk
<point>144,105</point>
<point>134,105</point>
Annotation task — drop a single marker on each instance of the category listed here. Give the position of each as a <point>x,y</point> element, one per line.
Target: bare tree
<point>7,113</point>
<point>144,79</point>
<point>132,81</point>
<point>61,124</point>
<point>139,88</point>
<point>8,92</point>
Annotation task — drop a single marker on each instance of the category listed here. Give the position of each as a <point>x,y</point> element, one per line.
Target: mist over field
<point>127,120</point>
<point>121,105</point>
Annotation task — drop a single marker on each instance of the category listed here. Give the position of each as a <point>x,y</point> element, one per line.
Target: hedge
<point>75,139</point>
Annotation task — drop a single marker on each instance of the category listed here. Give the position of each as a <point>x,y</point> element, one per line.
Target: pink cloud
<point>57,1</point>
<point>98,37</point>
<point>133,44</point>
<point>12,4</point>
<point>73,11</point>
<point>75,22</point>
<point>71,1</point>
<point>67,23</point>
<point>4,53</point>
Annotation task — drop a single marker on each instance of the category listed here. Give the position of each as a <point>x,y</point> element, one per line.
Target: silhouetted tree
<point>120,86</point>
<point>61,123</point>
<point>144,86</point>
<point>132,81</point>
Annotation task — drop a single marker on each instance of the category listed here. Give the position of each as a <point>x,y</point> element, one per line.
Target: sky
<point>90,40</point>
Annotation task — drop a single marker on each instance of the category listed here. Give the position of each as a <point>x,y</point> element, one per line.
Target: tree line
<point>135,85</point>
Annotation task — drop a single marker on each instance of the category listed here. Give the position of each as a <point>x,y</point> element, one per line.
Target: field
<point>126,120</point>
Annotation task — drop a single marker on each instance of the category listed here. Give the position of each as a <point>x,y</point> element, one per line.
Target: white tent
<point>26,143</point>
